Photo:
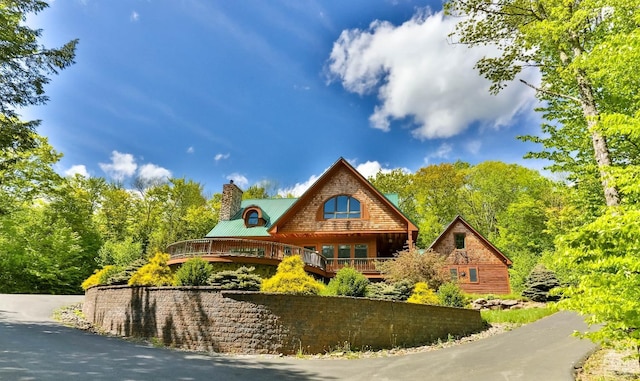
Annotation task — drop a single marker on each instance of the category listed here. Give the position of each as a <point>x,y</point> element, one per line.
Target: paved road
<point>33,347</point>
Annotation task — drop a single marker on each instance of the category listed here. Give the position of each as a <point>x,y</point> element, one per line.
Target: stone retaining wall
<point>204,319</point>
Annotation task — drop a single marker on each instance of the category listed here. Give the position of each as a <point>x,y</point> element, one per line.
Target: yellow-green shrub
<point>154,273</point>
<point>291,278</point>
<point>98,277</point>
<point>422,294</point>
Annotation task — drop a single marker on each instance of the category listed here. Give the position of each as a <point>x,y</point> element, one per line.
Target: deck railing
<point>363,265</point>
<point>233,247</point>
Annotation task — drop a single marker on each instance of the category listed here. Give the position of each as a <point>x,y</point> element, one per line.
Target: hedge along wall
<point>249,322</point>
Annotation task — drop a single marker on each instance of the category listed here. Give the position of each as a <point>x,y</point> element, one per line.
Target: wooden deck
<point>266,252</point>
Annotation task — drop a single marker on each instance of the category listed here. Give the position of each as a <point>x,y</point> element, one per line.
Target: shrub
<point>119,253</point>
<point>348,282</point>
<point>291,278</point>
<point>399,291</point>
<point>99,277</point>
<point>449,294</point>
<point>415,266</point>
<point>154,273</point>
<point>539,283</point>
<point>240,279</point>
<point>123,275</point>
<point>422,294</point>
<point>263,271</point>
<point>194,272</point>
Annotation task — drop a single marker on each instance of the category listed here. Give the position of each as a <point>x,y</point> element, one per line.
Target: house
<point>341,220</point>
<point>474,262</point>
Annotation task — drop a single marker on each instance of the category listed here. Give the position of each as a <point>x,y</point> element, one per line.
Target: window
<point>328,251</point>
<point>459,239</point>
<point>342,207</point>
<point>344,251</point>
<point>473,275</point>
<point>360,251</point>
<point>253,218</point>
<point>454,274</point>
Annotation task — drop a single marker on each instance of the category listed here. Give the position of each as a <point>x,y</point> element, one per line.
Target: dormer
<point>254,216</point>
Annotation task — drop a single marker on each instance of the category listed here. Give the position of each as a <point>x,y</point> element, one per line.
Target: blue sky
<point>270,90</point>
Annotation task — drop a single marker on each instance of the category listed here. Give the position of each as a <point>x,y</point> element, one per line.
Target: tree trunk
<point>600,147</point>
<point>590,111</point>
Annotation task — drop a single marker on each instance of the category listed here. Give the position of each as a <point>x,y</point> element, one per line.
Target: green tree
<point>438,198</point>
<point>291,278</point>
<point>348,282</point>
<point>154,273</point>
<point>414,266</point>
<point>26,66</point>
<point>194,272</point>
<point>30,175</point>
<point>401,183</point>
<point>450,294</point>
<point>242,278</point>
<point>255,192</point>
<point>604,260</point>
<point>422,294</point>
<point>578,47</point>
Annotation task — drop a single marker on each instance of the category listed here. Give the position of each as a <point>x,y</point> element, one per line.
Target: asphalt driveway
<point>33,347</point>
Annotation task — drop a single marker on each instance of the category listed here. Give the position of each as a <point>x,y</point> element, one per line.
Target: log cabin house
<point>341,220</point>
<point>472,261</point>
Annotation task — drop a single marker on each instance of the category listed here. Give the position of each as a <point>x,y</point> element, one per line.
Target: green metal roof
<point>393,197</point>
<point>272,209</point>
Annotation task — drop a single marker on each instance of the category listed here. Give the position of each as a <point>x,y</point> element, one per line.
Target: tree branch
<point>549,92</point>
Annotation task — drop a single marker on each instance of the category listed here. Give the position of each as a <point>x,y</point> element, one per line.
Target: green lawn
<point>522,316</point>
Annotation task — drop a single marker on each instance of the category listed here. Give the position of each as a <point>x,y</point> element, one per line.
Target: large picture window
<point>342,207</point>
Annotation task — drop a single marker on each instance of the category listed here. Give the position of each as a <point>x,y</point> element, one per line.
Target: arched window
<point>253,218</point>
<point>342,207</point>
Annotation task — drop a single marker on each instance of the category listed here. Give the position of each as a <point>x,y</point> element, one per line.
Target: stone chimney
<point>231,199</point>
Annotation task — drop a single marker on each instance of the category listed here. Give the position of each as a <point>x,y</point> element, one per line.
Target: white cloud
<point>191,150</point>
<point>122,165</point>
<point>153,172</point>
<point>442,152</point>
<point>238,179</point>
<point>473,147</point>
<point>421,76</point>
<point>77,170</point>
<point>299,189</point>
<point>221,156</point>
<point>370,169</point>
<point>134,16</point>
<point>366,169</point>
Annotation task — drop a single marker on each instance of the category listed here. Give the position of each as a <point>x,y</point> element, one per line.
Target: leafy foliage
<point>291,278</point>
<point>399,291</point>
<point>99,277</point>
<point>119,253</point>
<point>347,282</point>
<point>241,279</point>
<point>415,266</point>
<point>194,272</point>
<point>422,294</point>
<point>125,273</point>
<point>154,273</point>
<point>26,66</point>
<point>605,256</point>
<point>450,294</point>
